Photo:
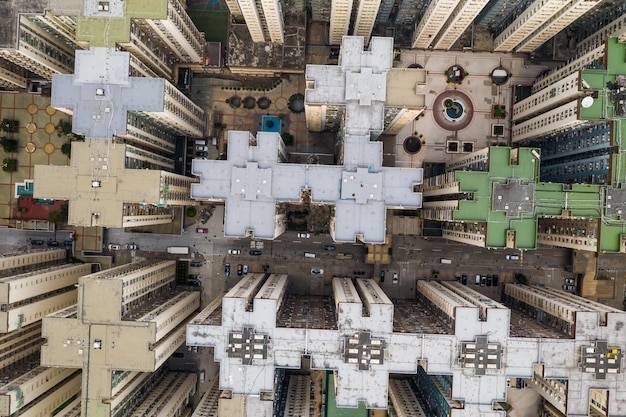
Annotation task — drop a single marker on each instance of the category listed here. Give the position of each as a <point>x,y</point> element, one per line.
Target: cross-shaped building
<point>118,325</point>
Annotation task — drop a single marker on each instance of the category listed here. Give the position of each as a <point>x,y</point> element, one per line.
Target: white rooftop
<point>101,92</point>
<point>364,350</point>
<point>252,181</point>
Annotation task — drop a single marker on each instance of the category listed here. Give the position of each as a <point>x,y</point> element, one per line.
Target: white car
<point>394,280</point>
<point>317,271</point>
<point>569,287</point>
<point>202,148</point>
<point>512,257</point>
<point>304,235</point>
<point>234,251</point>
<point>114,246</point>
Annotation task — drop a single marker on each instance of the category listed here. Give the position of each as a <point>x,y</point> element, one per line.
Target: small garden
<point>498,111</point>
<point>9,144</point>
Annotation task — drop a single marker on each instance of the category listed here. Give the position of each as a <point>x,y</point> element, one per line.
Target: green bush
<point>9,145</point>
<point>66,149</point>
<point>191,212</point>
<point>10,125</point>
<point>9,165</point>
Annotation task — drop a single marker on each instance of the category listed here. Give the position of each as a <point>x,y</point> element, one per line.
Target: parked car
<point>194,277</point>
<point>477,280</point>
<point>569,287</point>
<point>195,264</point>
<point>234,251</point>
<point>329,247</point>
<point>202,148</point>
<point>304,235</point>
<point>394,280</point>
<point>489,280</point>
<point>194,283</point>
<point>226,269</point>
<point>317,271</point>
<point>36,242</point>
<point>382,276</point>
<point>52,243</point>
<point>464,279</point>
<point>483,281</point>
<point>68,242</point>
<point>512,257</point>
<point>201,230</point>
<point>114,246</point>
<point>131,246</point>
<point>240,269</point>
<point>570,281</point>
<point>255,252</point>
<point>496,278</point>
<point>245,269</point>
<point>202,154</point>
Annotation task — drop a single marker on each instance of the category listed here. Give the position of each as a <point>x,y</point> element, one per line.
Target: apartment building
<point>573,115</point>
<point>263,19</point>
<point>32,285</point>
<point>127,322</point>
<point>462,337</point>
<point>103,192</point>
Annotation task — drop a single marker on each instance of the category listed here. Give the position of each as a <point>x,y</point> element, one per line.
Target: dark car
<point>464,279</point>
<point>194,277</point>
<point>240,269</point>
<point>227,269</point>
<point>36,242</point>
<point>193,283</point>
<point>202,154</point>
<point>329,247</point>
<point>255,252</point>
<point>496,278</point>
<point>382,276</point>
<point>68,242</point>
<point>195,264</point>
<point>52,243</point>
<point>489,280</point>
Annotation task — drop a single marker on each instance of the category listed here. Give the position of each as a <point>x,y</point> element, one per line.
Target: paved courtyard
<point>38,143</point>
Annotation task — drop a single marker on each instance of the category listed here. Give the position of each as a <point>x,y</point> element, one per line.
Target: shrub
<point>191,212</point>
<point>9,145</point>
<point>9,165</point>
<point>66,149</point>
<point>10,125</point>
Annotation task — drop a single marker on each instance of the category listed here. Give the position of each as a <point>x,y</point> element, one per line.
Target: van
<point>309,255</point>
<point>201,142</point>
<point>445,261</point>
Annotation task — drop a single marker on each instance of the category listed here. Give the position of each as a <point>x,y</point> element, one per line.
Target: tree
<point>63,128</point>
<point>9,165</point>
<point>59,216</point>
<point>10,125</point>
<point>9,145</point>
<point>66,149</point>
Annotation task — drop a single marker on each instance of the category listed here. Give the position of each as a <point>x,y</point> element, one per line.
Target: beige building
<point>102,192</point>
<point>32,285</point>
<point>126,324</point>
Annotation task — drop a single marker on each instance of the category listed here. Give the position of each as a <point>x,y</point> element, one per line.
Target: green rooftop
<point>106,31</point>
<point>481,208</point>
